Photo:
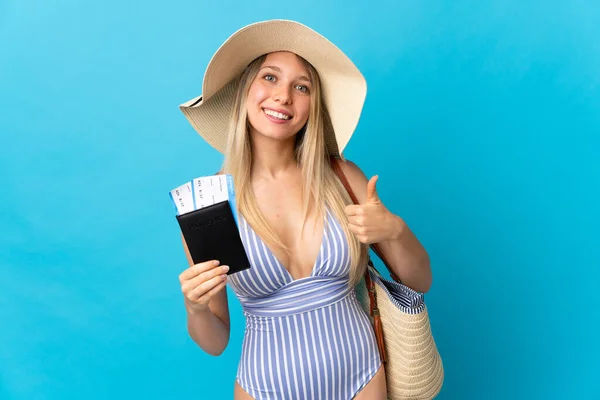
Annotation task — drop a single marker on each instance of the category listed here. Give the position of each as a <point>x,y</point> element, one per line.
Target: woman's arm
<point>372,222</point>
<point>208,326</point>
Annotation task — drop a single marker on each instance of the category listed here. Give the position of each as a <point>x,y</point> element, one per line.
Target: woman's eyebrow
<point>277,69</point>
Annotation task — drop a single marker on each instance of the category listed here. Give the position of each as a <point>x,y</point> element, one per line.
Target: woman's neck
<point>272,159</point>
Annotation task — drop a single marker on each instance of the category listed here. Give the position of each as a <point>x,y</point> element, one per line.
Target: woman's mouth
<point>277,116</point>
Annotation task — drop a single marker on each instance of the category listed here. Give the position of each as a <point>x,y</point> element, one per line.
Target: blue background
<point>482,120</point>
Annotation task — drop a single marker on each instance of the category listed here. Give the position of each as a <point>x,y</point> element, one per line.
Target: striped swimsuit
<point>306,338</point>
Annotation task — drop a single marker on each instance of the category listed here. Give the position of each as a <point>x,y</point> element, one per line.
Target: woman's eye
<point>269,78</point>
<point>302,88</point>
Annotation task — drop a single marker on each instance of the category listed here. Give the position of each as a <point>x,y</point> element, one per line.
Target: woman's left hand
<point>372,222</point>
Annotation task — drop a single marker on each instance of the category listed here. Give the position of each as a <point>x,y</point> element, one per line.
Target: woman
<point>279,100</point>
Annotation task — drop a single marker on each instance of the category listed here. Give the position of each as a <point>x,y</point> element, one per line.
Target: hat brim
<point>344,87</point>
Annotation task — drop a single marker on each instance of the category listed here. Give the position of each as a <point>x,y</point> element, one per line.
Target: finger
<point>357,229</point>
<point>205,298</point>
<point>359,232</point>
<point>372,196</point>
<point>356,220</point>
<point>202,289</point>
<point>196,281</point>
<point>354,209</point>
<point>198,294</point>
<point>197,269</point>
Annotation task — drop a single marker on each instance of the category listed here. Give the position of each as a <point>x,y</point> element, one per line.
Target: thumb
<point>372,196</point>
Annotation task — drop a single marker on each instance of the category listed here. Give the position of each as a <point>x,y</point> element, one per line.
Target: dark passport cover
<point>212,234</point>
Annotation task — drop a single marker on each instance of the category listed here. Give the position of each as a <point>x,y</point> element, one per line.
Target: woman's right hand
<point>200,283</point>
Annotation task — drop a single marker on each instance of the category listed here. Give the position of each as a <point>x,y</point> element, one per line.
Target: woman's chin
<point>275,136</point>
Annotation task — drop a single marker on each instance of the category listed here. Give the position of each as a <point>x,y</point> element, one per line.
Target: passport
<point>207,218</point>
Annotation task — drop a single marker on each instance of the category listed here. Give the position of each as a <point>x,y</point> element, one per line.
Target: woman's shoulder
<point>356,178</point>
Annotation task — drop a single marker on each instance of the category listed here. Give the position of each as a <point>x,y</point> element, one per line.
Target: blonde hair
<point>318,178</point>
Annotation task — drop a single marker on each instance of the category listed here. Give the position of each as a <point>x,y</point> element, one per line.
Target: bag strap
<point>374,309</point>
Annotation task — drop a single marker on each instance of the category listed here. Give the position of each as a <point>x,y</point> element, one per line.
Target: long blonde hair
<point>318,179</point>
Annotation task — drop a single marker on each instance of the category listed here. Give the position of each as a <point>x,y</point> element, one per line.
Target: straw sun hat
<point>344,87</point>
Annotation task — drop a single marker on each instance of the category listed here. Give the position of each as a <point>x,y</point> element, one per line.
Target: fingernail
<point>216,262</point>
<point>225,268</point>
<point>224,277</point>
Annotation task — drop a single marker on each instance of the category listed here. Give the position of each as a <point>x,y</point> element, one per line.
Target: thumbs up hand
<point>371,221</point>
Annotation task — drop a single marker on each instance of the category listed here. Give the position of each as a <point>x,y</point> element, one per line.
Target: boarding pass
<point>204,191</point>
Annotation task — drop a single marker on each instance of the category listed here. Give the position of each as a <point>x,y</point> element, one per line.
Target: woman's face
<point>278,101</point>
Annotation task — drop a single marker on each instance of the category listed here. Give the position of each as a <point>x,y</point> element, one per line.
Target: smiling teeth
<point>277,115</point>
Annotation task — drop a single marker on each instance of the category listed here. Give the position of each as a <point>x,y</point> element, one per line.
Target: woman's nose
<point>282,94</point>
